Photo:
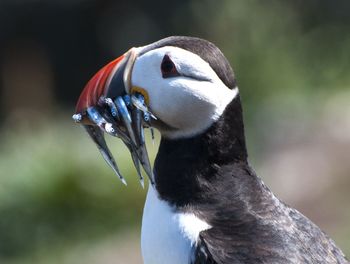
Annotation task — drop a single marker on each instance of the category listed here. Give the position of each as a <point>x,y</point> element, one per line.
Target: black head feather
<point>203,48</point>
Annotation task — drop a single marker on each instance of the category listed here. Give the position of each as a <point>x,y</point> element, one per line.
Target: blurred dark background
<point>59,203</point>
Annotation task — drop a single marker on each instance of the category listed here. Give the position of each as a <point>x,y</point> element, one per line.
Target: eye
<point>168,68</point>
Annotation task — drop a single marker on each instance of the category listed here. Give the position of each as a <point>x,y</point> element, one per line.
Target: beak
<point>111,81</point>
<point>109,104</point>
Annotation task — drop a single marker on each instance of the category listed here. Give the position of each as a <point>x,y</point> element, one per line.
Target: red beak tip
<point>97,86</point>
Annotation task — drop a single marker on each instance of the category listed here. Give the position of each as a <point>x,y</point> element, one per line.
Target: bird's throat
<point>185,168</point>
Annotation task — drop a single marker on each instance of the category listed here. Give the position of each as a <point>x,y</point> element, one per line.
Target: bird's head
<point>180,85</point>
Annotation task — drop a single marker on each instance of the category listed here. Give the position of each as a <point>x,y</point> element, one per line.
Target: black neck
<point>185,169</point>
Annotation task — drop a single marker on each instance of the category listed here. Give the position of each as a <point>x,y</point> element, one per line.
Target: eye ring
<point>168,67</point>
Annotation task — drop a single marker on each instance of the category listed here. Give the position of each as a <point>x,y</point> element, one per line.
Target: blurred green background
<point>60,203</point>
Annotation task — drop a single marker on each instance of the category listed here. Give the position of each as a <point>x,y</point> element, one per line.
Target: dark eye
<point>168,67</point>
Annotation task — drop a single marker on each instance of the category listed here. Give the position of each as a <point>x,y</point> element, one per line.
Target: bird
<point>205,204</point>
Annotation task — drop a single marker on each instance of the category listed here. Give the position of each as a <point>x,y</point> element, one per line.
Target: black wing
<point>259,242</point>
<point>201,254</point>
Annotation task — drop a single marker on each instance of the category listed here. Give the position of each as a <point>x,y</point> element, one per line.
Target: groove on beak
<point>109,104</point>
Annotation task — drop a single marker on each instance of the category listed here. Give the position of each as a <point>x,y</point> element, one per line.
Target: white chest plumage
<point>167,236</point>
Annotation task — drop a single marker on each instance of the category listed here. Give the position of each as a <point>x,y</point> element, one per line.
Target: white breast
<point>167,236</point>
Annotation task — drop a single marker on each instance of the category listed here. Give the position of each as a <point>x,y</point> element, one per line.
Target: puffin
<point>205,204</point>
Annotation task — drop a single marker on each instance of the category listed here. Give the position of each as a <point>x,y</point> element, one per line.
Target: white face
<point>189,102</point>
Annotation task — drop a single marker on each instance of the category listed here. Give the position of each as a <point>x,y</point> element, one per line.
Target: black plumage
<point>209,175</point>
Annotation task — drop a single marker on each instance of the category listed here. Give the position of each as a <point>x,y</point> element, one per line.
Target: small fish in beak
<point>139,102</point>
<point>97,136</point>
<point>95,116</point>
<point>108,104</point>
<point>125,116</point>
<point>112,106</point>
